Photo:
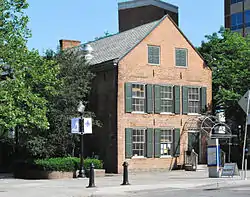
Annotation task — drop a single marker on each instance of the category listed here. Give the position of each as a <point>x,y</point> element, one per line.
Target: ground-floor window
<point>138,137</point>
<point>152,142</point>
<point>166,142</point>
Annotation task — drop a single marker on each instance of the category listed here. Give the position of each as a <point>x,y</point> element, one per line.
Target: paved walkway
<point>110,185</point>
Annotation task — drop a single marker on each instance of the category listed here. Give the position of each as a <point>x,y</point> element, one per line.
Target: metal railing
<point>191,159</point>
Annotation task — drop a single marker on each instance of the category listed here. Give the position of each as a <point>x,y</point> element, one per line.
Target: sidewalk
<point>110,185</point>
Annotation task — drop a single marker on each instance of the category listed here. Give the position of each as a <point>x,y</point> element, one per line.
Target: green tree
<point>23,99</point>
<point>75,77</point>
<point>228,55</point>
<point>29,81</point>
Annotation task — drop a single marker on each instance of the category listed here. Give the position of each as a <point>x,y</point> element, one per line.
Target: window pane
<point>166,142</point>
<point>138,142</point>
<point>153,54</point>
<point>166,93</point>
<point>138,97</point>
<point>193,100</point>
<point>181,57</point>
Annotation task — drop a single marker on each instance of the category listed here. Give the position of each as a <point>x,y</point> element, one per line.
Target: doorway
<point>193,141</point>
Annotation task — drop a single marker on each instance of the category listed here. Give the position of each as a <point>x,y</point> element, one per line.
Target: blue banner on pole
<point>75,125</point>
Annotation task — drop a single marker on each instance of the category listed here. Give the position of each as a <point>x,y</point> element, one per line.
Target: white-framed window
<point>193,100</point>
<point>154,54</point>
<point>166,142</point>
<point>166,93</point>
<point>181,57</point>
<point>138,141</point>
<point>138,97</point>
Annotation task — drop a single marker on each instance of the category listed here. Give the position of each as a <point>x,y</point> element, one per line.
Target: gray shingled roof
<point>118,45</point>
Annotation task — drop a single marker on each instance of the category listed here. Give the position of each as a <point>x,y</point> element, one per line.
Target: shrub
<point>65,164</point>
<point>56,164</point>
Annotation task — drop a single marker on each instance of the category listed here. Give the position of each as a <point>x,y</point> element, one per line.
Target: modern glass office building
<point>237,15</point>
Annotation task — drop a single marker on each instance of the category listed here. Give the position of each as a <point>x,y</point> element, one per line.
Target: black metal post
<point>91,176</point>
<point>81,170</point>
<point>243,19</point>
<point>125,173</point>
<point>229,150</point>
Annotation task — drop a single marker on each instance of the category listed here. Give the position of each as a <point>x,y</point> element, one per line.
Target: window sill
<point>153,64</point>
<point>165,156</point>
<point>138,112</point>
<point>138,157</point>
<point>193,114</point>
<point>185,67</point>
<point>167,113</point>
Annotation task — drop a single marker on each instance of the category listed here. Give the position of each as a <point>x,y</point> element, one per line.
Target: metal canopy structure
<point>209,125</point>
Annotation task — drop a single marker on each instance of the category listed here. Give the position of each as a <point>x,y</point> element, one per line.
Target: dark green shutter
<point>157,143</point>
<point>176,142</point>
<point>128,97</point>
<point>203,99</point>
<point>150,99</point>
<point>128,143</point>
<point>177,99</point>
<point>157,99</point>
<point>150,136</point>
<point>184,100</point>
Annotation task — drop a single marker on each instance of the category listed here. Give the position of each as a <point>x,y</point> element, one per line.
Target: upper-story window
<point>154,55</point>
<point>181,57</point>
<point>247,18</point>
<point>193,100</point>
<point>138,97</point>
<point>236,1</point>
<point>236,21</point>
<point>167,99</point>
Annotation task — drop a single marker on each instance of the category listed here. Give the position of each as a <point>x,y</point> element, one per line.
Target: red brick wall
<point>134,68</point>
<point>130,18</point>
<point>103,103</point>
<point>65,44</point>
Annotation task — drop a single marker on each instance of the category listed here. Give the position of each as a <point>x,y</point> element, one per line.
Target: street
<point>170,184</point>
<point>223,192</point>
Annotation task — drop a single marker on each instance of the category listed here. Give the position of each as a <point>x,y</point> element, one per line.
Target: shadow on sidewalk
<point>6,175</point>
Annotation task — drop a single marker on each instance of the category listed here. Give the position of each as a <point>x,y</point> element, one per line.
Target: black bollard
<point>125,173</point>
<point>91,176</point>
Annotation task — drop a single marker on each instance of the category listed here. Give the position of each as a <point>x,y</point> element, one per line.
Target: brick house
<point>149,81</point>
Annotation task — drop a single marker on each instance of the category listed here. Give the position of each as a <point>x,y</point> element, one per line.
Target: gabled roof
<point>116,46</point>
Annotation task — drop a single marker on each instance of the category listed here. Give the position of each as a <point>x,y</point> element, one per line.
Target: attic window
<point>181,57</point>
<point>153,55</point>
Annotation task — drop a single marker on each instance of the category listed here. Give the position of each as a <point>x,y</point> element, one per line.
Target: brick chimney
<point>65,44</point>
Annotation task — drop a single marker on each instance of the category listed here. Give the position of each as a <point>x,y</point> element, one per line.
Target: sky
<point>83,20</point>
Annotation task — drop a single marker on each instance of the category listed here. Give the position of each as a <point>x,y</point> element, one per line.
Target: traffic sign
<point>244,101</point>
<point>87,125</point>
<point>75,126</point>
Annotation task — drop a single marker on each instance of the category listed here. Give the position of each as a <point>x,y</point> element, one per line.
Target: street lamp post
<point>81,109</point>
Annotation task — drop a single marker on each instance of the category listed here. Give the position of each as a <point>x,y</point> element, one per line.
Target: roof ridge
<point>120,33</point>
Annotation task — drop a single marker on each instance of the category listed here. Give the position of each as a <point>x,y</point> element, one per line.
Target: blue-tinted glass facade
<point>236,1</point>
<point>237,20</point>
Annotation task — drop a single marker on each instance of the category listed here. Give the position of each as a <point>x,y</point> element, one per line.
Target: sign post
<point>75,126</point>
<point>213,158</point>
<point>244,103</point>
<point>78,128</point>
